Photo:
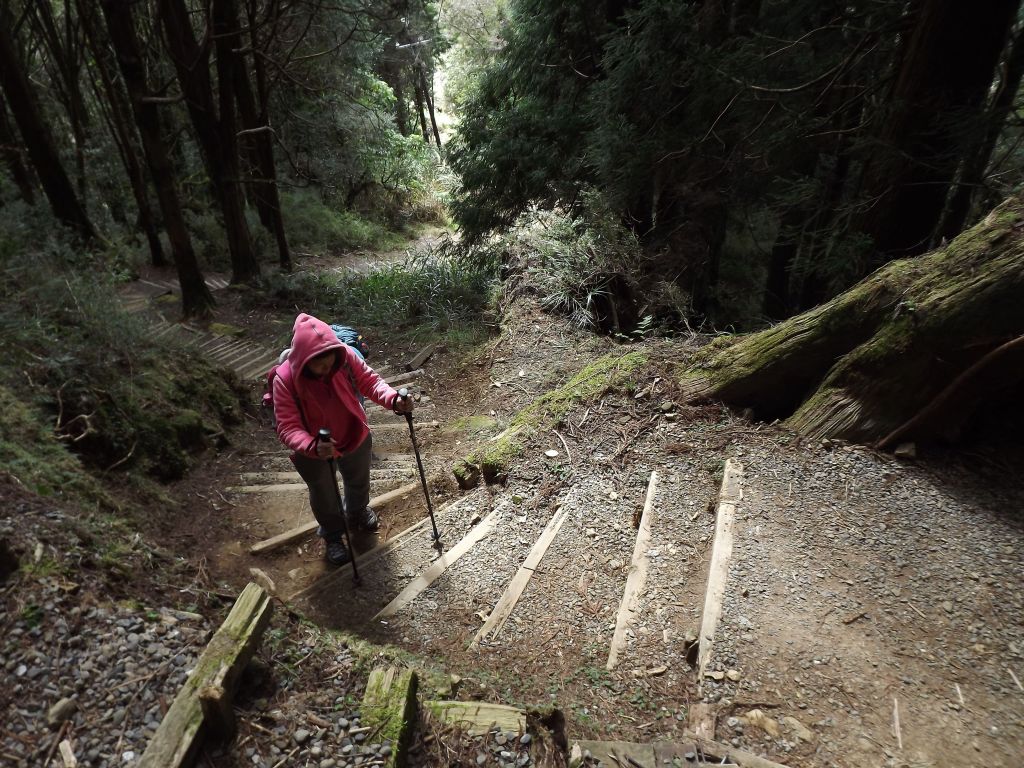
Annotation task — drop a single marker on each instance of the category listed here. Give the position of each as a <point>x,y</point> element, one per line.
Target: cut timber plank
<point>701,720</point>
<point>420,358</point>
<point>393,544</point>
<point>637,576</point>
<point>478,717</point>
<point>401,426</point>
<point>507,602</point>
<point>178,739</point>
<point>620,753</point>
<point>307,528</point>
<point>439,566</point>
<point>721,554</point>
<point>389,707</point>
<point>402,378</point>
<point>273,488</point>
<point>674,753</point>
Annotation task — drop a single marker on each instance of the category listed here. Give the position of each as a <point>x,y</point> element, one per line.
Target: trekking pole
<point>404,394</point>
<point>325,434</point>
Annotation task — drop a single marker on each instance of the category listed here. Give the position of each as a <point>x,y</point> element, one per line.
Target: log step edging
<point>718,572</point>
<point>389,708</point>
<point>203,705</point>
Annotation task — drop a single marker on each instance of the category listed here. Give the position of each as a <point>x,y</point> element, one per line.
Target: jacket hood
<point>310,337</point>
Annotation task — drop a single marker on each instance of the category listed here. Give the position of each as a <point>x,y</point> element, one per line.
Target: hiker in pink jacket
<point>319,386</point>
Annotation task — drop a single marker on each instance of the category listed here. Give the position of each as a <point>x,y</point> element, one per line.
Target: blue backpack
<point>353,338</point>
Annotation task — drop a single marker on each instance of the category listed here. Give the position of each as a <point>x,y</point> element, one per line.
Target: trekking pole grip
<point>403,394</point>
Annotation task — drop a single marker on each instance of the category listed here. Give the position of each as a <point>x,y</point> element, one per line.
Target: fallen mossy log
<point>203,705</point>
<point>867,362</point>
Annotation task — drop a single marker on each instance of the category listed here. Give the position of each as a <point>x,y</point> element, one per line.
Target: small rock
<point>798,730</point>
<point>301,736</point>
<point>905,451</point>
<point>61,711</point>
<point>947,606</point>
<point>525,739</point>
<point>733,675</point>
<point>758,719</point>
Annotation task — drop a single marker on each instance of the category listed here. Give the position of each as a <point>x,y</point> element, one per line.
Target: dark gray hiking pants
<point>354,468</point>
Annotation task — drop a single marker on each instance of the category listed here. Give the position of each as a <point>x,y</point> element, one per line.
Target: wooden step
<point>482,529</point>
<point>637,576</point>
<point>301,531</point>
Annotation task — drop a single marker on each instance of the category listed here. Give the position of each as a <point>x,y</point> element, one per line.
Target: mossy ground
<point>604,374</point>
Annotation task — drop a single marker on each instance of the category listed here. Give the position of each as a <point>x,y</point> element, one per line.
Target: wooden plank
<point>674,753</point>
<point>301,531</point>
<point>478,718</point>
<point>507,602</point>
<point>376,474</point>
<point>403,378</point>
<point>721,554</point>
<point>626,754</point>
<point>637,576</point>
<point>393,544</point>
<point>389,708</point>
<point>420,357</point>
<point>439,566</point>
<point>401,426</point>
<point>178,738</point>
<point>701,720</point>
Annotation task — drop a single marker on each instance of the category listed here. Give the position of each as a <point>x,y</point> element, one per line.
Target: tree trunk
<point>10,148</point>
<point>216,135</point>
<point>947,66</point>
<point>196,298</point>
<point>228,39</point>
<point>36,136</point>
<point>263,172</point>
<point>112,103</point>
<point>972,173</point>
<point>429,98</point>
<point>63,58</point>
<point>418,92</point>
<point>868,361</point>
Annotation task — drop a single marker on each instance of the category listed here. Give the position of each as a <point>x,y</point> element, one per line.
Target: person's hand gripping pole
<point>403,394</point>
<point>324,438</point>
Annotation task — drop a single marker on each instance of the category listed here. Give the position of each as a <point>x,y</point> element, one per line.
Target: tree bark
<point>947,66</point>
<point>866,362</point>
<point>972,173</point>
<point>115,109</point>
<point>263,170</point>
<point>215,132</point>
<point>196,298</point>
<point>36,135</point>
<point>428,97</point>
<point>10,148</point>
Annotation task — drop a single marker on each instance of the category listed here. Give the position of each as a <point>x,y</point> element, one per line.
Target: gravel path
<point>860,586</point>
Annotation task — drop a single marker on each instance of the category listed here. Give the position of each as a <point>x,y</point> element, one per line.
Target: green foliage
<point>687,122</point>
<point>316,226</point>
<point>83,375</point>
<point>432,291</point>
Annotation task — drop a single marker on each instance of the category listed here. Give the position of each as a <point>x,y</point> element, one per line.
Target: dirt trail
<point>859,585</point>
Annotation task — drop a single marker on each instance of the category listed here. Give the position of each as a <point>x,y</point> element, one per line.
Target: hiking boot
<point>366,520</point>
<point>337,553</point>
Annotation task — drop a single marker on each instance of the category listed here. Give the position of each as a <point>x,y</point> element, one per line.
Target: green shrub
<point>433,291</point>
<point>90,378</point>
<point>312,225</point>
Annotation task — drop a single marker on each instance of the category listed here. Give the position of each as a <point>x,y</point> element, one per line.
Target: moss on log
<point>869,360</point>
<point>177,740</point>
<point>389,706</point>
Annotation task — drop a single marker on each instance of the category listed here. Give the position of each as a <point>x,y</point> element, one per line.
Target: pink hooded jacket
<point>292,391</point>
